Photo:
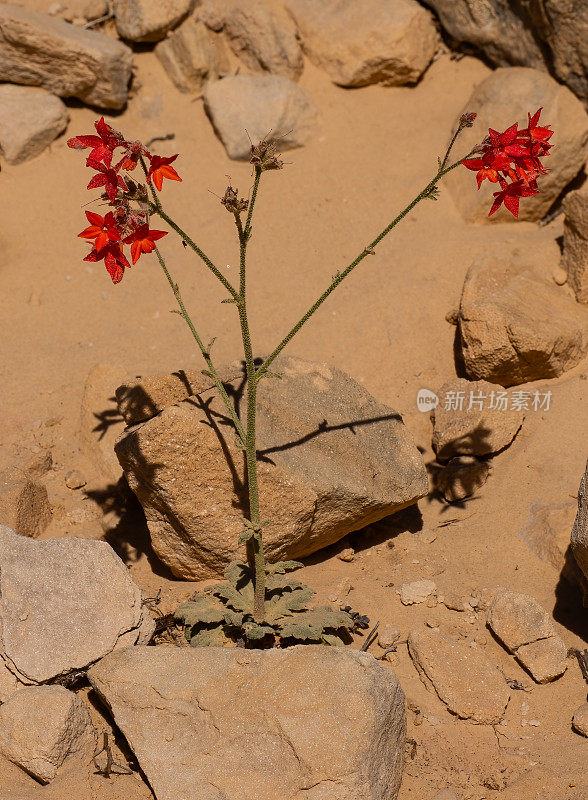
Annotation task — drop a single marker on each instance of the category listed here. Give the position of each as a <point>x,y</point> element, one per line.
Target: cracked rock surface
<point>303,723</point>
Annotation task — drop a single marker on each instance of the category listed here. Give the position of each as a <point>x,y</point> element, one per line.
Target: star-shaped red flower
<point>160,169</point>
<point>102,145</point>
<point>114,260</point>
<point>142,240</point>
<point>108,178</point>
<point>102,229</point>
<point>510,194</point>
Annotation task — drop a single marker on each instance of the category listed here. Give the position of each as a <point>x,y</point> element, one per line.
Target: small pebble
<point>416,592</point>
<point>432,622</point>
<point>348,554</point>
<point>560,276</point>
<point>388,636</point>
<point>74,480</point>
<point>454,603</point>
<point>580,719</point>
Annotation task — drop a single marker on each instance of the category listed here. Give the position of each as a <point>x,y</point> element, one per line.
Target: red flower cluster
<point>125,224</point>
<point>512,159</point>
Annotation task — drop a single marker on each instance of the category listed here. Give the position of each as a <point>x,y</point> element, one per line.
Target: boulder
<point>474,418</point>
<point>64,604</point>
<point>575,242</point>
<point>372,42</point>
<point>307,721</point>
<point>462,677</point>
<point>259,33</point>
<point>527,631</point>
<point>30,119</point>
<point>461,477</point>
<point>580,529</point>
<point>38,50</point>
<point>42,726</point>
<point>255,105</point>
<point>515,325</point>
<point>100,420</point>
<point>149,20</point>
<point>501,99</point>
<point>24,503</point>
<point>331,460</point>
<point>192,55</point>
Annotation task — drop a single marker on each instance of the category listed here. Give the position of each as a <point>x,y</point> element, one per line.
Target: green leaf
<point>245,536</point>
<point>201,609</point>
<point>254,631</point>
<point>208,637</point>
<point>301,631</point>
<point>286,604</point>
<point>234,618</point>
<point>274,582</point>
<point>239,601</point>
<point>280,567</point>
<point>238,572</point>
<point>327,618</point>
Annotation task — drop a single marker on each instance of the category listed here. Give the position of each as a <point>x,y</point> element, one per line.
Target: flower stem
<point>340,276</point>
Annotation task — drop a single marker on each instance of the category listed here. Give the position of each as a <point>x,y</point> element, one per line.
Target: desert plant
<point>258,600</point>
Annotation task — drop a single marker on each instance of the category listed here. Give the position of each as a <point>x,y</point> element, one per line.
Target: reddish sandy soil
<point>386,327</point>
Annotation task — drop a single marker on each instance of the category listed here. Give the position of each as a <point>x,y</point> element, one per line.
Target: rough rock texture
<point>547,532</point>
<point>575,246</point>
<point>494,27</point>
<point>473,418</point>
<point>580,719</point>
<point>24,503</point>
<point>331,460</point>
<point>463,678</point>
<point>416,592</point>
<point>100,421</point>
<point>304,722</point>
<point>370,42</point>
<point>257,104</point>
<point>41,726</point>
<point>64,604</point>
<point>38,50</point>
<point>501,99</point>
<point>526,629</point>
<point>192,55</point>
<point>580,529</point>
<point>9,683</point>
<point>149,20</point>
<point>260,34</point>
<point>461,478</point>
<point>30,119</point>
<point>516,325</point>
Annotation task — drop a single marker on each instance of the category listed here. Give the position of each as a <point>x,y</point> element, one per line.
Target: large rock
<point>257,104</point>
<point>192,55</point>
<point>580,529</point>
<point>463,678</point>
<point>228,724</point>
<point>527,631</point>
<point>473,418</point>
<point>64,604</point>
<point>260,34</point>
<point>502,98</point>
<point>495,27</point>
<point>331,460</point>
<point>575,242</point>
<point>42,726</point>
<point>370,42</point>
<point>30,119</point>
<point>38,50</point>
<point>516,325</point>
<point>149,20</point>
<point>24,503</point>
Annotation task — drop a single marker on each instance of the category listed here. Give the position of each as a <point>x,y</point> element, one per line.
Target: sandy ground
<point>385,326</point>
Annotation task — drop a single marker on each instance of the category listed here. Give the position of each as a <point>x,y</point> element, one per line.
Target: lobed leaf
<point>201,609</point>
<point>282,567</point>
<point>208,637</point>
<point>286,604</point>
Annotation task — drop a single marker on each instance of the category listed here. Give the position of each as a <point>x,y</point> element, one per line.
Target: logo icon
<point>426,400</point>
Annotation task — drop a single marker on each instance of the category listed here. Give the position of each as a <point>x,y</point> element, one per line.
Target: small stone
<point>560,276</point>
<point>347,554</point>
<point>454,603</point>
<point>388,636</point>
<point>148,21</point>
<point>74,479</point>
<point>432,622</point>
<point>30,119</point>
<point>580,719</point>
<point>42,726</point>
<point>416,592</point>
<point>432,601</point>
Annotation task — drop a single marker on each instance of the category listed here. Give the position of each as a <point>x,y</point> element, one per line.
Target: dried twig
<point>371,637</point>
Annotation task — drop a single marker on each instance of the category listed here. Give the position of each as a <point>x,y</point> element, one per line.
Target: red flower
<point>488,166</point>
<point>108,178</point>
<point>102,145</point>
<point>540,134</point>
<point>142,240</point>
<point>102,229</point>
<point>160,169</point>
<point>131,156</point>
<point>510,194</point>
<point>114,260</point>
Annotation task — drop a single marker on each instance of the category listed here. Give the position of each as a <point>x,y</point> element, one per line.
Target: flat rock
<point>516,325</point>
<point>303,722</point>
<point>260,34</point>
<point>579,538</point>
<point>42,726</point>
<point>416,592</point>
<point>192,55</point>
<point>473,418</point>
<point>331,460</point>
<point>547,531</point>
<point>580,719</point>
<point>372,42</point>
<point>100,420</point>
<point>24,503</point>
<point>575,242</point>
<point>256,104</point>
<point>149,20</point>
<point>30,119</point>
<point>69,61</point>
<point>461,478</point>
<point>64,604</point>
<point>502,98</point>
<point>527,631</point>
<point>463,678</point>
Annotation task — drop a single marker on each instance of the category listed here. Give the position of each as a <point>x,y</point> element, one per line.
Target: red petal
<point>94,218</point>
<point>82,142</point>
<point>512,203</point>
<point>136,251</point>
<point>155,235</point>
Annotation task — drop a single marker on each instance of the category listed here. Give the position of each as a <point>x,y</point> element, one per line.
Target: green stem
<point>204,350</point>
<point>340,276</point>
